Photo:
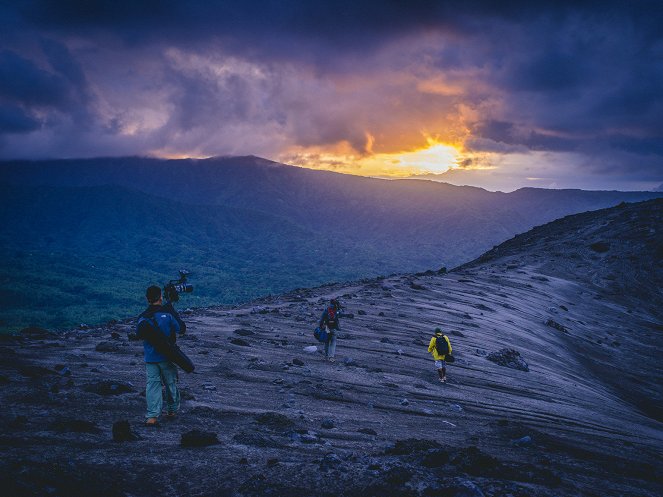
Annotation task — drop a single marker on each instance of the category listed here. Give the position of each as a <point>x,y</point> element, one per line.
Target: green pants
<point>158,374</point>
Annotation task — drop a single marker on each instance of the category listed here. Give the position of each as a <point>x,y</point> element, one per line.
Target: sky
<point>501,95</point>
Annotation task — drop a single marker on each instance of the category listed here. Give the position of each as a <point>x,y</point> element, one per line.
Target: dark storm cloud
<point>23,82</point>
<point>568,75</point>
<point>14,119</point>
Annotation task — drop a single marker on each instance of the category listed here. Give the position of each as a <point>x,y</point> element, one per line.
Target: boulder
<point>197,438</point>
<point>508,358</point>
<point>122,432</point>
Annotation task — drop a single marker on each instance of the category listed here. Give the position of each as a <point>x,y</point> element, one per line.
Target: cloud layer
<point>555,91</point>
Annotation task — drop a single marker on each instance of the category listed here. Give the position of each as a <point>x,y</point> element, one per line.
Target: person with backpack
<point>161,373</point>
<point>330,320</point>
<point>440,347</point>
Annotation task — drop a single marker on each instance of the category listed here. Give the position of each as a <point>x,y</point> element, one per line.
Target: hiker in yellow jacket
<point>440,363</point>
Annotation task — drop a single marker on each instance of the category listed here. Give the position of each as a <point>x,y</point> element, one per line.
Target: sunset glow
<point>470,94</point>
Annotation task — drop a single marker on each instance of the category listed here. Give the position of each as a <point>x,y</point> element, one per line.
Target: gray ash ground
<point>273,419</point>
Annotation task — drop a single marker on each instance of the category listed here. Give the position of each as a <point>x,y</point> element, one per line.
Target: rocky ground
<point>535,404</point>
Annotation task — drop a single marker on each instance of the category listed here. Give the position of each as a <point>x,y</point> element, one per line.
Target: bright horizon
<point>548,96</point>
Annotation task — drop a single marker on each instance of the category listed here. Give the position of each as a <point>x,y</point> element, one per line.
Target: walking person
<point>330,320</point>
<point>440,347</point>
<point>161,373</point>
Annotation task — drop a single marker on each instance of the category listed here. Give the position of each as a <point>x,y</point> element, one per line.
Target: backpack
<point>320,335</point>
<point>441,345</point>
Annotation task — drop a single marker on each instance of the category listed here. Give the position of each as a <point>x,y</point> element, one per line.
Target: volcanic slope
<point>549,418</point>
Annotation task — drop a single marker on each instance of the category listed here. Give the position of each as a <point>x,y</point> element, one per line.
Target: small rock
<point>509,358</point>
<point>381,314</point>
<point>349,361</point>
<point>108,387</point>
<point>115,335</point>
<point>107,347</point>
<point>457,333</point>
<point>311,349</point>
<point>385,340</point>
<point>308,438</point>
<point>241,342</point>
<point>361,312</point>
<point>400,352</point>
<point>554,324</point>
<point>404,402</point>
<point>244,332</point>
<point>65,371</point>
<point>327,424</point>
<point>197,438</point>
<point>456,407</point>
<point>525,441</point>
<point>122,432</point>
<point>209,388</point>
<point>297,362</point>
<point>75,426</point>
<point>244,461</point>
<point>367,431</point>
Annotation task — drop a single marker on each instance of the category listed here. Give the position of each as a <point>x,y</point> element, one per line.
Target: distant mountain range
<point>82,238</point>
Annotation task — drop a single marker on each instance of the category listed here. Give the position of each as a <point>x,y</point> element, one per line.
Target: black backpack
<point>441,345</point>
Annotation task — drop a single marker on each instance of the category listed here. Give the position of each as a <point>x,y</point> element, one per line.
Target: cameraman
<point>159,370</point>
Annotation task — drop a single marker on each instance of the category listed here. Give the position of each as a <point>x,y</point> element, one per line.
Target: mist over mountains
<point>84,237</point>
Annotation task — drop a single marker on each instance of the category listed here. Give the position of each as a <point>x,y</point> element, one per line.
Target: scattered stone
<point>108,387</point>
<point>540,278</point>
<point>472,461</point>
<point>554,324</point>
<point>349,361</point>
<point>122,432</point>
<point>417,286</point>
<point>398,476</point>
<point>400,352</point>
<point>367,431</point>
<point>411,445</point>
<point>385,340</point>
<point>328,424</point>
<point>275,421</point>
<point>418,341</point>
<point>457,333</point>
<point>107,347</point>
<point>508,358</point>
<point>115,335</point>
<point>32,371</point>
<point>381,314</point>
<point>197,438</point>
<point>74,425</point>
<point>241,342</point>
<point>209,387</point>
<point>311,349</point>
<point>244,332</point>
<point>525,441</point>
<point>600,247</point>
<point>297,362</point>
<point>244,461</point>
<point>442,270</point>
<point>435,458</point>
<point>309,438</point>
<point>273,461</point>
<point>456,407</point>
<point>361,312</point>
<point>564,308</point>
<point>481,352</point>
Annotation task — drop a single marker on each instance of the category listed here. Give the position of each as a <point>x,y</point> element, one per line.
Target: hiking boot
<point>151,422</point>
<point>171,415</point>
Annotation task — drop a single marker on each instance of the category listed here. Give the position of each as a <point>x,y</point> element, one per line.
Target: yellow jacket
<point>433,350</point>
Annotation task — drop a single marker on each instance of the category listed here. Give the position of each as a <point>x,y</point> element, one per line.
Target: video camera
<point>172,290</point>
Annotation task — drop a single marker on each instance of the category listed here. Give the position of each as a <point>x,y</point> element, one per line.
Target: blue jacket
<point>168,325</point>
